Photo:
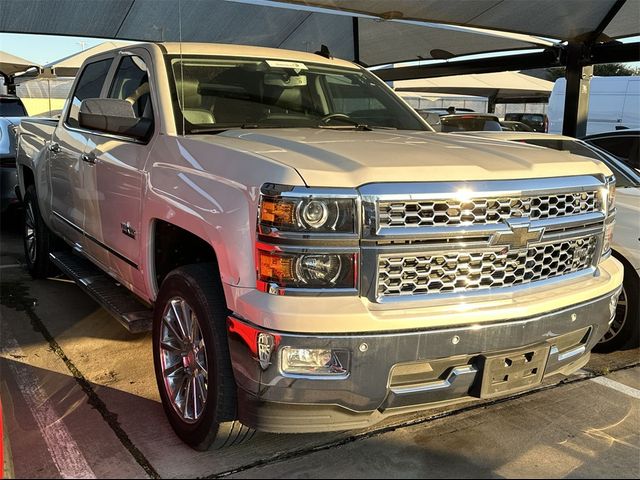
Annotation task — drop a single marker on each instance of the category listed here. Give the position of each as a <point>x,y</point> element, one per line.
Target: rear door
<point>65,155</point>
<point>115,178</point>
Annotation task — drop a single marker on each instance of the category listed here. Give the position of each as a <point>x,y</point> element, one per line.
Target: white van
<point>614,102</point>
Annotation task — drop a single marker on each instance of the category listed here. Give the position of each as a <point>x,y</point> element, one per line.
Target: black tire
<point>38,247</point>
<point>201,289</point>
<point>625,331</point>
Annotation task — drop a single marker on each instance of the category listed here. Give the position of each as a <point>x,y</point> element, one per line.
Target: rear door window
<point>12,107</point>
<point>89,86</point>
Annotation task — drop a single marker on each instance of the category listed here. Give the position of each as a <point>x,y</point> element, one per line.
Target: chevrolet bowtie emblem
<point>520,236</point>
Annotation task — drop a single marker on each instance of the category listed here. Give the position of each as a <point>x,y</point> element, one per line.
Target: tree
<point>600,70</point>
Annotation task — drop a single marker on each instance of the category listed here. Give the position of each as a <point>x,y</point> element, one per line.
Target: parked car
<point>468,122</point>
<point>624,331</point>
<point>515,126</point>
<point>12,106</point>
<point>623,144</point>
<point>537,121</point>
<point>310,256</point>
<point>613,103</point>
<point>8,173</point>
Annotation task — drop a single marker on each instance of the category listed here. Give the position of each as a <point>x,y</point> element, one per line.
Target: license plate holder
<point>513,371</point>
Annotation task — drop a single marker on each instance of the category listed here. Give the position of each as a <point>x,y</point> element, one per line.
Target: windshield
<point>212,94</point>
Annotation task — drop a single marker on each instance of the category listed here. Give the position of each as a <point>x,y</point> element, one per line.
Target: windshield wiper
<point>360,127</point>
<point>223,128</point>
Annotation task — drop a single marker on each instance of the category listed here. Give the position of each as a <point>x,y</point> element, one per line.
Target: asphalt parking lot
<point>80,400</point>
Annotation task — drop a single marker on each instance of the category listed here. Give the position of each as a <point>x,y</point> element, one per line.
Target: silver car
<point>8,174</point>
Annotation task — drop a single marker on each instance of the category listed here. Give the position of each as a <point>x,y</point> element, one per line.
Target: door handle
<point>89,158</point>
<point>54,147</point>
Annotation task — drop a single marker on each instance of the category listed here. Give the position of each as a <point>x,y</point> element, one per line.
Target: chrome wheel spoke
<point>197,406</point>
<point>167,346</point>
<point>30,233</point>
<point>202,369</point>
<point>167,321</point>
<point>173,369</point>
<point>180,320</point>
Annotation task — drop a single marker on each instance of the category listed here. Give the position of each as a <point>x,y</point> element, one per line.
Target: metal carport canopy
<point>265,23</point>
<point>373,32</point>
<point>575,33</point>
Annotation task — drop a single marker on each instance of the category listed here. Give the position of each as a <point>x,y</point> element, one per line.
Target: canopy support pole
<point>491,103</point>
<point>576,100</point>
<point>9,82</point>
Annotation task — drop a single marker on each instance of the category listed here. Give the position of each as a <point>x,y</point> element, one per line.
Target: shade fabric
<point>10,64</point>
<point>501,85</point>
<point>383,32</point>
<point>265,24</point>
<point>557,19</point>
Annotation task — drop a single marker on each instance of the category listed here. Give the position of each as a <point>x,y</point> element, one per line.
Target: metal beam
<point>576,100</point>
<point>604,23</point>
<point>548,58</point>
<point>615,52</point>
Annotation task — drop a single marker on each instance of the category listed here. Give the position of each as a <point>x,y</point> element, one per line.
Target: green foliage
<point>601,70</point>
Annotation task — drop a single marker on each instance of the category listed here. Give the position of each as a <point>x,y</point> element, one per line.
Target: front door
<point>114,179</point>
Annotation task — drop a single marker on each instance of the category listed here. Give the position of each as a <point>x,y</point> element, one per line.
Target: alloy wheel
<point>183,357</point>
<point>30,232</point>
<point>619,320</point>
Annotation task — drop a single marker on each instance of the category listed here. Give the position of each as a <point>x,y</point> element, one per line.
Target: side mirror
<point>111,115</point>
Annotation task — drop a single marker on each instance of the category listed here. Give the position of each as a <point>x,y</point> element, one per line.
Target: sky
<point>43,49</point>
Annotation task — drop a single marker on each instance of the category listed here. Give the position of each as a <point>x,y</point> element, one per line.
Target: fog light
<point>305,361</point>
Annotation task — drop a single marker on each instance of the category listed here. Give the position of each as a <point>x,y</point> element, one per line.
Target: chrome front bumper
<point>407,371</point>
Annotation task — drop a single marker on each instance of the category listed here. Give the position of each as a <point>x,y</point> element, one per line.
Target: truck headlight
<point>611,215</point>
<point>307,214</point>
<point>308,240</point>
<point>282,270</point>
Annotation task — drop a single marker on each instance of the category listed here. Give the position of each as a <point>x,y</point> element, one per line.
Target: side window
<point>89,86</point>
<point>131,83</point>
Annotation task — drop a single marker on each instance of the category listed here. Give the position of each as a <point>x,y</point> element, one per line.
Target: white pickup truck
<point>309,255</point>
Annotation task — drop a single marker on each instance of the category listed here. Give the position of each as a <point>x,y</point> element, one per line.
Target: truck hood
<point>348,158</point>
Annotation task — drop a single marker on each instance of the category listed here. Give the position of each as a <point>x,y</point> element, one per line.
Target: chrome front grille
<point>424,239</point>
<point>496,267</point>
<point>487,210</point>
